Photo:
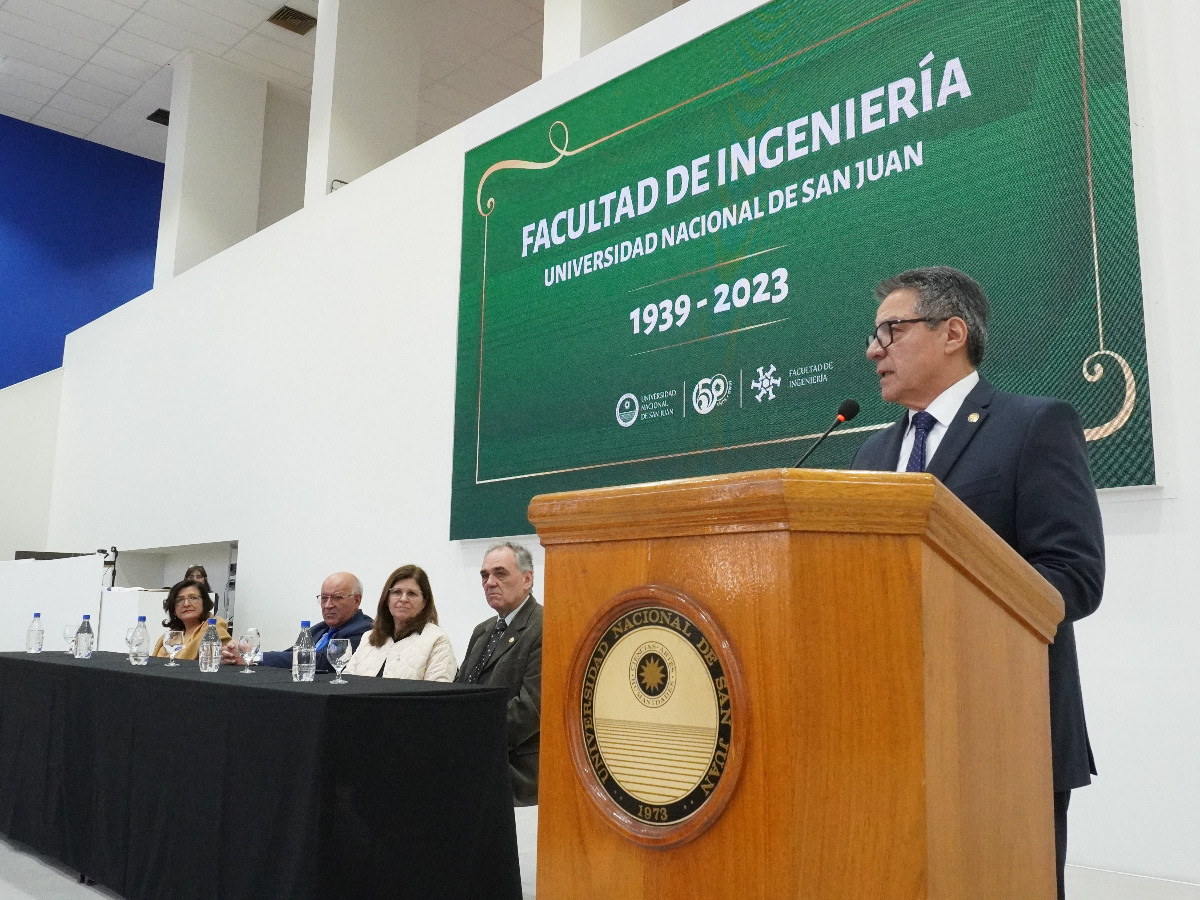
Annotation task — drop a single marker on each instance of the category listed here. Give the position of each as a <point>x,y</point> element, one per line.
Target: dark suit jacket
<point>1022,467</point>
<point>517,664</point>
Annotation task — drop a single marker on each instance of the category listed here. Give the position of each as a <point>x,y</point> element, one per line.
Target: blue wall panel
<point>78,230</point>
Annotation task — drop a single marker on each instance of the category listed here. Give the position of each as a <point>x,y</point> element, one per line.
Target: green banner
<point>672,274</point>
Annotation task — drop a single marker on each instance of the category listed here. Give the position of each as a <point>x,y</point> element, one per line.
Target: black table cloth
<point>168,783</point>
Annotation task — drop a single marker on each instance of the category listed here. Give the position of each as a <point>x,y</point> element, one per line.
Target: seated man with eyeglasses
<point>340,597</point>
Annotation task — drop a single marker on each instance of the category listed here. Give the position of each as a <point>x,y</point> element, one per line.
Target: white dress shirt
<point>512,615</point>
<point>943,409</point>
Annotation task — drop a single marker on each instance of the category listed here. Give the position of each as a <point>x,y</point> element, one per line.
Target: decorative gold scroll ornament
<point>563,151</point>
<point>527,164</point>
<point>1096,370</point>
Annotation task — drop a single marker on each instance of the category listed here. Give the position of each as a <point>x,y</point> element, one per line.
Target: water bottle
<point>139,647</point>
<point>304,656</point>
<point>83,639</point>
<point>210,649</point>
<point>33,637</point>
<point>303,631</point>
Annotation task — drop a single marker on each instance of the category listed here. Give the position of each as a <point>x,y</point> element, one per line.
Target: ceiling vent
<point>293,20</point>
<point>160,117</point>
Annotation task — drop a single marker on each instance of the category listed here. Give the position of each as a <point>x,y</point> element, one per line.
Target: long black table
<point>166,783</point>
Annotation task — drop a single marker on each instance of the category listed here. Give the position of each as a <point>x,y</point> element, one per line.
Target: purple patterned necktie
<point>924,423</point>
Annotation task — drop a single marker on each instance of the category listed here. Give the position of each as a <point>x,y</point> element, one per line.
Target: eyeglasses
<point>400,592</point>
<point>884,333</point>
<point>336,598</point>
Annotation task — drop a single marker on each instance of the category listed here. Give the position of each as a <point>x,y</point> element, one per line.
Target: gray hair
<point>943,293</point>
<point>524,559</point>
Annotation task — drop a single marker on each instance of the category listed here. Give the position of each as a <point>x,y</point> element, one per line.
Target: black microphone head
<point>848,410</point>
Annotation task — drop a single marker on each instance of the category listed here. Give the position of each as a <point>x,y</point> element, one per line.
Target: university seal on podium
<point>656,722</point>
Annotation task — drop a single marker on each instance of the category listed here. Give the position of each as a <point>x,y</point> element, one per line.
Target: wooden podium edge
<point>970,546</point>
<point>808,500</point>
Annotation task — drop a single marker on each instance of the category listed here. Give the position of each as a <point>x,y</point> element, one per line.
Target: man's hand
<point>230,655</point>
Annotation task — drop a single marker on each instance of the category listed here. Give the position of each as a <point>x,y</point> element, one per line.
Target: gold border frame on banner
<point>1093,368</point>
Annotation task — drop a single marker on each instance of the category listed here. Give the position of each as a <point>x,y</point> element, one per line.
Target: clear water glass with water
<point>173,643</point>
<point>339,653</point>
<point>248,645</point>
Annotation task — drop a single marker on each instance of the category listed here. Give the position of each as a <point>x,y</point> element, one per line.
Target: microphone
<point>847,411</point>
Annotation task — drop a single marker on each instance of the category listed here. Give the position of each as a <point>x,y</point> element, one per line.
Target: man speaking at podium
<point>1020,463</point>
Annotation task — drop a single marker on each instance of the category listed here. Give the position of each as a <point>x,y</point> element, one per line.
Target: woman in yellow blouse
<point>188,607</point>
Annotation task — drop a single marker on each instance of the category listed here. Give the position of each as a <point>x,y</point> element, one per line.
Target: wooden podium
<point>886,656</point>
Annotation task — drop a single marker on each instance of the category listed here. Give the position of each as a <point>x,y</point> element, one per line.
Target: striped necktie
<point>497,631</point>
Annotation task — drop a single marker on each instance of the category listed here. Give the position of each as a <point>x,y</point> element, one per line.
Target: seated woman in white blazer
<point>405,641</point>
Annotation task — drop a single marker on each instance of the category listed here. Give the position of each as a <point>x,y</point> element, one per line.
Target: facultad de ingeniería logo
<point>627,410</point>
<point>765,383</point>
<point>709,393</point>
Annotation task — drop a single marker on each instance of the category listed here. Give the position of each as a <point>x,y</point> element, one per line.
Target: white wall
<point>62,590</point>
<point>321,355</point>
<point>366,84</point>
<point>164,566</point>
<point>140,570</point>
<point>284,154</point>
<point>575,28</point>
<point>214,162</point>
<point>1140,653</point>
<point>328,442</point>
<point>28,433</point>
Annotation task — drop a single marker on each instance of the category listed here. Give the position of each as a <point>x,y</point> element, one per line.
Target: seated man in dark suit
<point>1019,462</point>
<point>507,650</point>
<point>340,597</point>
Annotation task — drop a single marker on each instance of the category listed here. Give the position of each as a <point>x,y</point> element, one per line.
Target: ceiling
<point>96,68</point>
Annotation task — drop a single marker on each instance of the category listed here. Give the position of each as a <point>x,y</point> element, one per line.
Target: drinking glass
<point>173,643</point>
<point>248,646</point>
<point>69,637</point>
<point>339,654</point>
<point>129,642</point>
<point>257,643</point>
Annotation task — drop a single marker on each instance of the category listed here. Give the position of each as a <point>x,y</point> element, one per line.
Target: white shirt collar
<point>512,615</point>
<point>947,404</point>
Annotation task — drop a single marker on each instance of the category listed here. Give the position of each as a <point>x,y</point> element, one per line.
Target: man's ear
<point>956,335</point>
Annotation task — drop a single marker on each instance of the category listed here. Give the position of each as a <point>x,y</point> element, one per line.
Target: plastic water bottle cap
<point>141,618</point>
<point>85,618</point>
<point>37,615</point>
<point>304,623</point>
<point>212,621</point>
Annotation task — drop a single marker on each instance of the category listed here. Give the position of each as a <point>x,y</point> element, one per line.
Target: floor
<point>24,876</point>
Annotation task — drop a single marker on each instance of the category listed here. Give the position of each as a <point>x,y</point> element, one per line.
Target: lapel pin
<point>511,639</point>
<point>973,417</point>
